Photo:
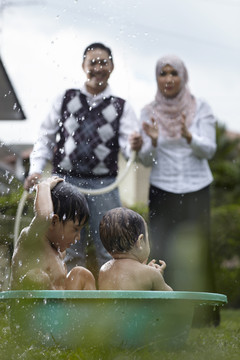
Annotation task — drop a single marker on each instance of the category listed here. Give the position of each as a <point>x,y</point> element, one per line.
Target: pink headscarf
<point>168,111</point>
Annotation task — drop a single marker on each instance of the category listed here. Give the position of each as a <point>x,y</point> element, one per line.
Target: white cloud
<point>42,47</point>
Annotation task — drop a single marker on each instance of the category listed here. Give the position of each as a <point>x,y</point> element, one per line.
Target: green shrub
<point>9,201</point>
<point>225,238</point>
<point>141,209</point>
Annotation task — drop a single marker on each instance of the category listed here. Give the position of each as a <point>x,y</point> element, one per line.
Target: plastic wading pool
<point>127,319</point>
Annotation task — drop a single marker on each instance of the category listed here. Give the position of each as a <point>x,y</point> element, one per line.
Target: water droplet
<point>11,179</point>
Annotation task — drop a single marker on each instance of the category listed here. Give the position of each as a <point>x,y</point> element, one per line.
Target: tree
<point>225,167</point>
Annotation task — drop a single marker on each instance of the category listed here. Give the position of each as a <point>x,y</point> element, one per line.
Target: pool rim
<point>206,297</point>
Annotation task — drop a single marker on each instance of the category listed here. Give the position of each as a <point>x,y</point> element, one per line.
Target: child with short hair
<point>61,211</point>
<point>124,234</point>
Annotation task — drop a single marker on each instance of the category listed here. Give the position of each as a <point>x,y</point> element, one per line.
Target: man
<point>82,136</point>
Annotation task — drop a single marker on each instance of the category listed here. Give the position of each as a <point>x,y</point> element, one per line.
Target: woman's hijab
<point>168,111</point>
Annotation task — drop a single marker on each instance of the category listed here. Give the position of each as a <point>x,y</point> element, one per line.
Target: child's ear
<point>140,241</point>
<point>55,219</point>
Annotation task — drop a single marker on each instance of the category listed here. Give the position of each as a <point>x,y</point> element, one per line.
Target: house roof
<point>10,108</point>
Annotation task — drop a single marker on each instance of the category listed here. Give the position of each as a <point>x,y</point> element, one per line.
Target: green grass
<point>221,343</point>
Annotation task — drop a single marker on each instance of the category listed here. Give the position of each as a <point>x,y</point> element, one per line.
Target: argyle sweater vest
<point>87,144</point>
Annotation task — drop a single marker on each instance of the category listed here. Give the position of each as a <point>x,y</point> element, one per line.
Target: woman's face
<point>169,82</point>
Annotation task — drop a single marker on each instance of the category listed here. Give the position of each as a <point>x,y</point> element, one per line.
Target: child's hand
<point>52,181</point>
<point>160,267</point>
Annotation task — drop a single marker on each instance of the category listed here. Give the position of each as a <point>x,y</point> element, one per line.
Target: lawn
<point>205,343</point>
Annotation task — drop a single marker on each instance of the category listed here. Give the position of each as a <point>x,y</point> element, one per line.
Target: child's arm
<point>43,208</point>
<point>80,278</point>
<point>29,249</point>
<point>158,281</point>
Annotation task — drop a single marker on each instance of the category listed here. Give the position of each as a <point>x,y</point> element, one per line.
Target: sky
<point>42,41</point>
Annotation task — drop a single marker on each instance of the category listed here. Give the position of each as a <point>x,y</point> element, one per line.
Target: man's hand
<point>136,141</point>
<point>31,180</point>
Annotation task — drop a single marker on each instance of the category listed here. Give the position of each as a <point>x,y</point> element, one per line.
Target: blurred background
<point>41,46</point>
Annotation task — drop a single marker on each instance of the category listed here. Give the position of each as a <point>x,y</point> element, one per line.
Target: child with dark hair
<point>124,234</point>
<point>61,211</point>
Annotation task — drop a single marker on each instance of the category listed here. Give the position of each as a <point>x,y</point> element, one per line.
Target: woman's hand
<point>152,131</point>
<point>184,130</point>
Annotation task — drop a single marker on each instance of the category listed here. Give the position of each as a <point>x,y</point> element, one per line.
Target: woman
<point>179,137</point>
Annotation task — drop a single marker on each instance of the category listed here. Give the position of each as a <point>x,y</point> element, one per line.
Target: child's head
<point>69,203</point>
<point>120,229</point>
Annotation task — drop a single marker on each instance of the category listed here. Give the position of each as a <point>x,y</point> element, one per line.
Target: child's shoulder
<point>38,227</point>
<point>23,234</point>
<point>150,269</point>
<point>157,279</point>
<point>152,273</point>
<point>31,234</point>
<point>107,266</point>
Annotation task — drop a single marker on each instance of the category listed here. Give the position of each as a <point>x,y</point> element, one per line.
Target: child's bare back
<point>128,274</point>
<point>124,235</point>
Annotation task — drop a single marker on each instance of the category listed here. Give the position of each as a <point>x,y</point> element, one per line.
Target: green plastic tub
<point>121,319</point>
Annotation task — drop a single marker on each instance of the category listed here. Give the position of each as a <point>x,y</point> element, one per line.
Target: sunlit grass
<point>206,343</point>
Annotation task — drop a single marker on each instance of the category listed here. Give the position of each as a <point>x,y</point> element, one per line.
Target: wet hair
<point>69,203</point>
<point>120,229</point>
<point>94,46</point>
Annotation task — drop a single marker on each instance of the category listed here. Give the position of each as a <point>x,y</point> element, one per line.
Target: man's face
<point>98,67</point>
